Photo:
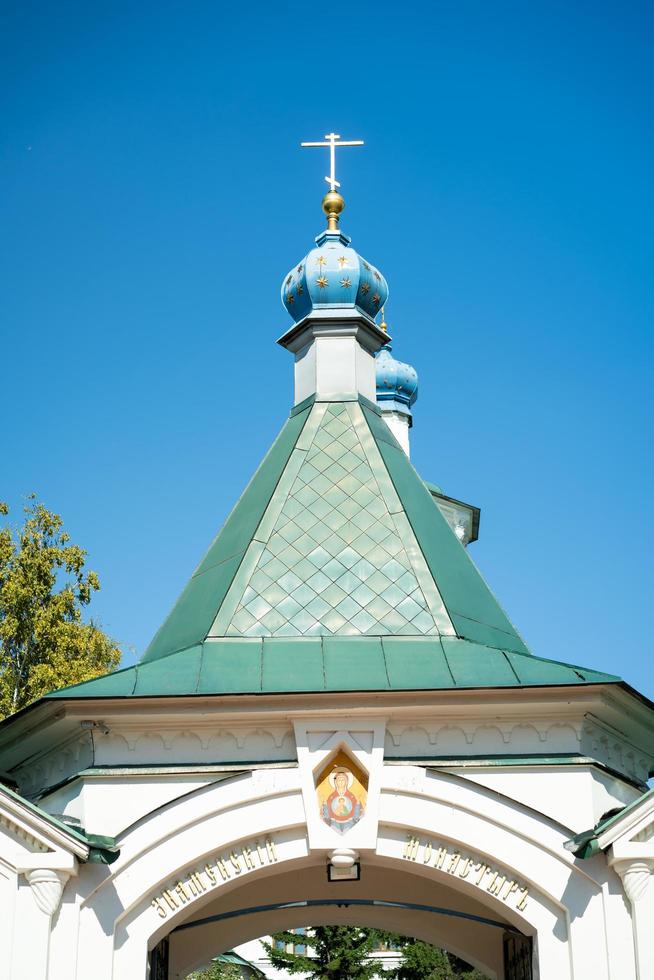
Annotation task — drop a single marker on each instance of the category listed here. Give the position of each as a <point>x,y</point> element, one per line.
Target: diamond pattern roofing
<point>336,560</point>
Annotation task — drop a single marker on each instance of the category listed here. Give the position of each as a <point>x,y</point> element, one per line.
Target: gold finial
<point>333,203</point>
<point>383,323</point>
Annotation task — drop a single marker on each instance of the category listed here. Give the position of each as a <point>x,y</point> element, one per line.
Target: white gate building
<point>337,723</point>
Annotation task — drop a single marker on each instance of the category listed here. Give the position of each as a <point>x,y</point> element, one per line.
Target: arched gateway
<point>336,723</point>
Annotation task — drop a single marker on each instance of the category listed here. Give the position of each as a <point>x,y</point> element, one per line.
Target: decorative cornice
<point>39,826</point>
<point>334,323</point>
<point>20,832</point>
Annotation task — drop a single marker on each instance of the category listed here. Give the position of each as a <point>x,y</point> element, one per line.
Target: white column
<point>35,906</point>
<point>636,874</point>
<point>36,909</point>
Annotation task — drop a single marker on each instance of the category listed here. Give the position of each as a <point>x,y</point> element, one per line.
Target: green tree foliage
<point>44,644</point>
<point>333,953</point>
<point>217,971</point>
<point>421,961</point>
<point>347,953</point>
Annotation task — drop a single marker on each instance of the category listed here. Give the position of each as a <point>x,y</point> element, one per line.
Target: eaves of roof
<point>437,493</point>
<point>590,842</point>
<point>270,665</point>
<point>231,957</point>
<point>91,848</point>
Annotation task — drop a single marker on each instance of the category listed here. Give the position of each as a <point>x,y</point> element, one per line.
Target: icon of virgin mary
<point>341,810</point>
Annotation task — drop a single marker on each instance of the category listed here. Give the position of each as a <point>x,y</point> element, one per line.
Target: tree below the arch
<point>422,961</point>
<point>349,953</point>
<point>331,953</point>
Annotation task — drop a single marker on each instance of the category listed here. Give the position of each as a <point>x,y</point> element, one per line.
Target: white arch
<point>200,939</point>
<point>566,910</point>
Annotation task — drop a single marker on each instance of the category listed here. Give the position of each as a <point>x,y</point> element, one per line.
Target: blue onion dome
<point>397,383</point>
<point>333,276</point>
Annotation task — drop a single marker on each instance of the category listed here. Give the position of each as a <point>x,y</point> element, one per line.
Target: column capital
<point>636,874</point>
<point>47,887</point>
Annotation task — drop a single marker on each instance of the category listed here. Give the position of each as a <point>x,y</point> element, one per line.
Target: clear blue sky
<point>153,195</point>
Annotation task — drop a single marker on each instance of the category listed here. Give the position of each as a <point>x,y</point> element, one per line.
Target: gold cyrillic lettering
<point>171,901</point>
<point>196,884</point>
<point>222,867</point>
<point>453,863</point>
<point>441,854</point>
<point>482,868</point>
<point>511,886</point>
<point>522,904</point>
<point>184,890</point>
<point>161,911</point>
<point>426,857</point>
<point>411,848</point>
<point>496,884</point>
<point>464,870</point>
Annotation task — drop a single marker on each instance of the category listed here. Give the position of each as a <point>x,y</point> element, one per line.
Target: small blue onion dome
<point>332,276</point>
<point>397,383</point>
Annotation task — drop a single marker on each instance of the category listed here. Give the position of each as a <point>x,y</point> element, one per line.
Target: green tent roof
<point>335,571</point>
<point>336,534</point>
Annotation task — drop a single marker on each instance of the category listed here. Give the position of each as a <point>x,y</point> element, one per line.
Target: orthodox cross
<point>332,141</point>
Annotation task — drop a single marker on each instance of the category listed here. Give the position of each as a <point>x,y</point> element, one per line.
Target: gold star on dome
<point>299,269</point>
<point>299,289</point>
<point>288,281</point>
<point>322,281</point>
<point>346,283</point>
<point>377,276</point>
<point>290,298</point>
<point>376,298</point>
<point>366,266</point>
<point>365,288</point>
<point>321,260</point>
<point>343,261</point>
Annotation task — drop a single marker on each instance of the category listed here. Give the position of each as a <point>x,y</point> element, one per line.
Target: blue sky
<point>153,195</point>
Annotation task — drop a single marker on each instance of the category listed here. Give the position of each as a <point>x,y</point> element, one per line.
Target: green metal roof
<point>234,959</point>
<point>195,610</point>
<point>335,571</point>
<point>334,553</point>
<point>336,534</point>
<point>332,663</point>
